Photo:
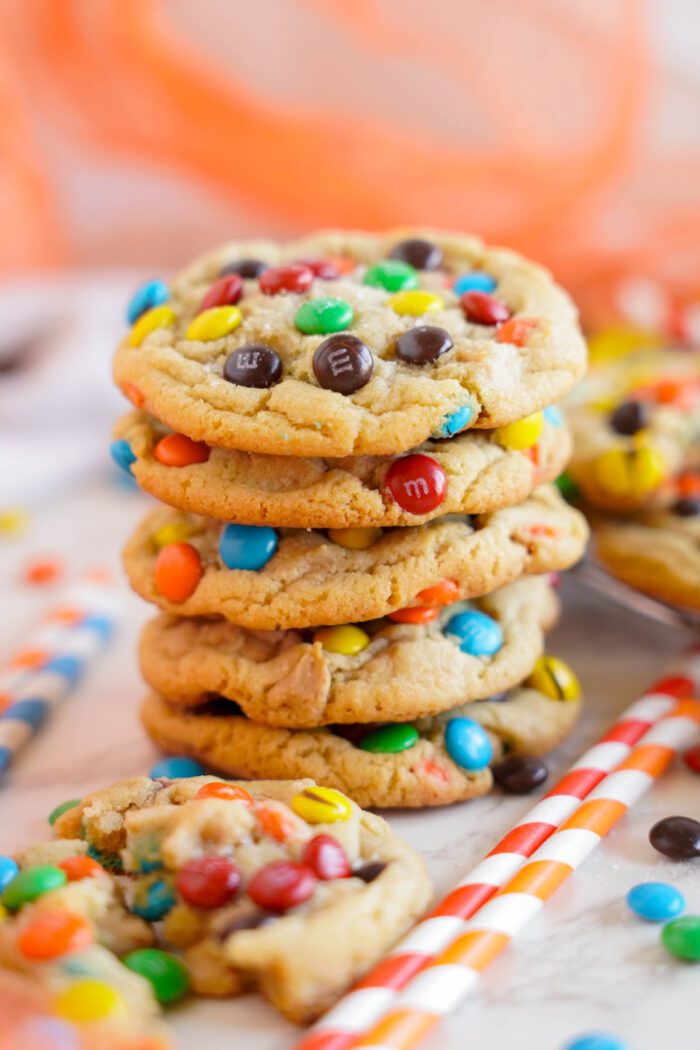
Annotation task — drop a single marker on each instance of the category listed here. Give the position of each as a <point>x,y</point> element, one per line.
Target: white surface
<point>584,962</point>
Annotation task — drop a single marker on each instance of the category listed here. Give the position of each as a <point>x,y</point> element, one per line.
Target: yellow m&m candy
<point>158,317</point>
<point>523,434</point>
<point>175,532</point>
<point>555,679</point>
<point>358,539</point>
<point>214,323</point>
<point>319,805</point>
<point>415,303</point>
<point>629,472</point>
<point>347,640</point>
<point>87,1000</point>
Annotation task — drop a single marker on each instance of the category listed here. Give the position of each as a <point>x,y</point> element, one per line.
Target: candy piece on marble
<point>321,805</point>
<point>247,547</point>
<point>553,416</point>
<point>655,901</point>
<point>177,450</point>
<point>415,303</point>
<point>347,640</point>
<point>81,867</point>
<point>419,253</point>
<point>676,837</point>
<point>150,294</point>
<point>177,571</point>
<point>444,592</point>
<point>282,885</point>
<point>208,882</point>
<point>629,472</point>
<point>342,363</point>
<point>523,434</point>
<point>212,324</point>
<point>123,455</point>
<point>393,275</point>
<point>325,269</point>
<point>516,331</point>
<point>416,614</point>
<point>229,792</point>
<point>153,898</point>
<point>13,521</point>
<point>176,767</point>
<point>324,316</point>
<point>476,281</point>
<point>629,417</point>
<point>50,934</point>
<point>151,321</point>
<point>468,744</point>
<point>691,759</point>
<point>476,633</point>
<point>279,280</point>
<point>87,1000</point>
<point>42,570</point>
<point>32,883</point>
<point>254,365</point>
<point>681,937</point>
<point>174,532</point>
<point>520,774</point>
<point>484,309</point>
<point>554,678</point>
<point>595,1041</point>
<point>423,344</point>
<point>165,973</point>
<point>326,858</point>
<point>356,539</point>
<point>416,482</point>
<point>226,291</point>
<point>456,421</point>
<point>246,268</point>
<point>8,870</point>
<point>391,739</point>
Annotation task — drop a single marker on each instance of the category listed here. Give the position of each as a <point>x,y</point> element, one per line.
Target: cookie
<point>405,670</point>
<point>483,471</point>
<point>295,578</point>
<point>404,765</point>
<point>238,877</point>
<point>636,427</point>
<point>351,344</point>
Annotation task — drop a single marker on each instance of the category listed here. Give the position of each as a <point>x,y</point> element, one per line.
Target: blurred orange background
<point>138,132</point>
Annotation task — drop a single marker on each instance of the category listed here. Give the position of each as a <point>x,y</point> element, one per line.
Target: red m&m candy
<point>692,758</point>
<point>326,269</point>
<point>208,882</point>
<point>417,483</point>
<point>296,277</point>
<point>178,571</point>
<point>224,292</point>
<point>176,450</point>
<point>482,308</point>
<point>327,858</point>
<point>281,885</point>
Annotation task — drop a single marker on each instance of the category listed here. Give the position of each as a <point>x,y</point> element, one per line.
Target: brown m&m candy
<point>254,365</point>
<point>248,268</point>
<point>687,507</point>
<point>676,837</point>
<point>343,363</point>
<point>423,344</point>
<point>520,774</point>
<point>629,417</point>
<point>421,254</point>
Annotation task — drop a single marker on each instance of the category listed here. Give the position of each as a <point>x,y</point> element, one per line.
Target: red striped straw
<point>345,1024</point>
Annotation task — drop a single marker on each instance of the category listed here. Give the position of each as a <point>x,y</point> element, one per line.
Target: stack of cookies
<point>354,437</point>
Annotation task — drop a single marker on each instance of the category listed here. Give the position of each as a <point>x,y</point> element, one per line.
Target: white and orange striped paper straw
<point>344,1025</point>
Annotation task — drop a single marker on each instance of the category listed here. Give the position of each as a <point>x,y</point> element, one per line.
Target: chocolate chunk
<point>419,253</point>
<point>422,344</point>
<point>369,872</point>
<point>520,774</point>
<point>253,365</point>
<point>248,268</point>
<point>629,417</point>
<point>343,363</point>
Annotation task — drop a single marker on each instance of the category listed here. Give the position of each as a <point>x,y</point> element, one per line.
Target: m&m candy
<point>419,253</point>
<point>390,739</point>
<point>482,308</point>
<point>476,633</point>
<point>423,344</point>
<point>278,280</point>
<point>554,678</point>
<point>681,937</point>
<point>177,450</point>
<point>468,744</point>
<point>8,871</point>
<point>516,331</point>
<point>523,434</point>
<point>151,321</point>
<point>247,547</point>
<point>177,572</point>
<point>629,472</point>
<point>520,774</point>
<point>152,293</point>
<point>553,416</point>
<point>208,882</point>
<point>655,901</point>
<point>323,316</point>
<point>32,883</point>
<point>595,1041</point>
<point>321,805</point>
<point>326,269</point>
<point>255,365</point>
<point>456,421</point>
<point>51,934</point>
<point>347,640</point>
<point>153,899</point>
<point>165,973</point>
<point>442,593</point>
<point>215,323</point>
<point>629,417</point>
<point>80,867</point>
<point>282,885</point>
<point>342,363</point>
<point>676,837</point>
<point>224,292</point>
<point>417,483</point>
<point>246,268</point>
<point>394,275</point>
<point>415,614</point>
<point>122,454</point>
<point>415,303</point>
<point>175,767</point>
<point>228,792</point>
<point>87,1000</point>
<point>476,281</point>
<point>326,858</point>
<point>356,539</point>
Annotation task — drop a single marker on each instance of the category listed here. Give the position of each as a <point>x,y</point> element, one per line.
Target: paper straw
<point>374,995</point>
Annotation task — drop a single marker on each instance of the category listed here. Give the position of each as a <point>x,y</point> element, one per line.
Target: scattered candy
<point>520,774</point>
<point>415,303</point>
<point>152,293</point>
<point>153,899</point>
<point>357,539</point>
<point>417,483</point>
<point>323,316</point>
<point>391,739</point>
<point>655,901</point>
<point>254,365</point>
<point>230,792</point>
<point>174,532</point>
<point>281,279</point>
<point>423,344</point>
<point>629,472</point>
<point>87,1000</point>
<point>482,308</point>
<point>347,640</point>
<point>476,633</point>
<point>692,758</point>
<point>468,744</point>
<point>165,973</point>
<point>516,331</point>
<point>175,767</point>
<point>343,364</point>
<point>151,321</point>
<point>456,421</point>
<point>681,937</point>
<point>215,323</point>
<point>476,281</point>
<point>246,268</point>
<point>393,275</point>
<point>554,678</point>
<point>177,572</point>
<point>419,253</point>
<point>523,434</point>
<point>247,547</point>
<point>208,882</point>
<point>327,858</point>
<point>224,292</point>
<point>70,803</point>
<point>176,450</point>
<point>121,453</point>
<point>80,867</point>
<point>42,570</point>
<point>629,417</point>
<point>676,837</point>
<point>282,885</point>
<point>595,1041</point>
<point>32,883</point>
<point>51,934</point>
<point>8,871</point>
<point>321,805</point>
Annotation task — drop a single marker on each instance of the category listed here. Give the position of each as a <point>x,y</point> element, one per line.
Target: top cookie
<point>349,343</point>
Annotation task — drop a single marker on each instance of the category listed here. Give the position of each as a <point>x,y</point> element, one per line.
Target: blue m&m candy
<point>121,453</point>
<point>477,281</point>
<point>152,293</point>
<point>656,901</point>
<point>595,1041</point>
<point>468,744</point>
<point>247,546</point>
<point>175,767</point>
<point>153,899</point>
<point>8,870</point>
<point>553,416</point>
<point>456,421</point>
<point>476,633</point>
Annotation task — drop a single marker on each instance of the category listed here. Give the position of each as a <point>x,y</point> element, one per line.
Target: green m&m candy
<point>166,974</point>
<point>389,740</point>
<point>393,275</point>
<point>63,808</point>
<point>681,937</point>
<point>31,884</point>
<point>323,316</point>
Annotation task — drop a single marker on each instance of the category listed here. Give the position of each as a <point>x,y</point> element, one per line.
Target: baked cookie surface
<point>269,579</point>
<point>351,344</point>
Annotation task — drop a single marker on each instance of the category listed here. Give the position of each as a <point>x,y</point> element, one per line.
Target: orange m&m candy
<point>227,791</point>
<point>80,867</point>
<point>178,571</point>
<point>274,823</point>
<point>415,614</point>
<point>443,593</point>
<point>515,331</point>
<point>176,450</point>
<point>54,933</point>
<point>136,396</point>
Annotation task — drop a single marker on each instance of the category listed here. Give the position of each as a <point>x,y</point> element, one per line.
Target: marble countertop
<point>585,962</point>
